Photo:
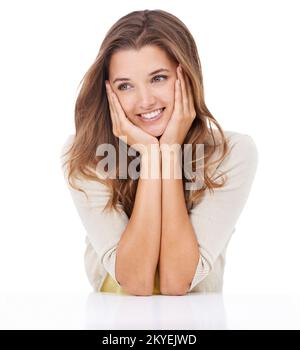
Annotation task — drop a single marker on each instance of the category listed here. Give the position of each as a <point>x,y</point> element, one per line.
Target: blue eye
<point>157,76</point>
<point>161,76</point>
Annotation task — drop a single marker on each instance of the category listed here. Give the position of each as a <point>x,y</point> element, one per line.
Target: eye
<point>120,87</point>
<point>160,76</point>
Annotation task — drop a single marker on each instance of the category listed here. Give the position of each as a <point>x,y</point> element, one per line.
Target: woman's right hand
<point>122,126</point>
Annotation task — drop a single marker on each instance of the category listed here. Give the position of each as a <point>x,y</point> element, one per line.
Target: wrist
<point>151,163</point>
<point>171,159</point>
<point>149,149</point>
<point>170,150</point>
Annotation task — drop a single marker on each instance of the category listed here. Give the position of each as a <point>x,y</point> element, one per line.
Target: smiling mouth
<point>152,116</point>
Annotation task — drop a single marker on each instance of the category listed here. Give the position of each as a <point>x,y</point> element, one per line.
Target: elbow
<point>173,286</point>
<point>138,290</point>
<point>131,285</point>
<point>136,287</point>
<point>139,283</point>
<point>175,290</point>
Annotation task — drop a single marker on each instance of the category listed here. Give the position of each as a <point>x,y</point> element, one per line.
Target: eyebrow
<point>155,72</point>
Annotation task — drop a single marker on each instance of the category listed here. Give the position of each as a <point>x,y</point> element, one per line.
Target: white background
<point>249,51</point>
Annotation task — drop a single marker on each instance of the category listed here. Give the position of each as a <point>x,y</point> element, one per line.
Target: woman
<point>154,234</point>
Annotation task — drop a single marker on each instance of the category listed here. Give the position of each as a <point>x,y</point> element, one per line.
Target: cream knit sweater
<point>213,219</point>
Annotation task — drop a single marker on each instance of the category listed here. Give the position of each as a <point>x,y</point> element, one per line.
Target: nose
<point>146,99</point>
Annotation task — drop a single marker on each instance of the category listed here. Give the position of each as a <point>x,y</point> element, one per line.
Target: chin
<point>156,133</point>
<point>151,130</point>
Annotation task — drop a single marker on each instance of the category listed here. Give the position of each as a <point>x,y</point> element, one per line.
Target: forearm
<point>138,248</point>
<point>179,251</point>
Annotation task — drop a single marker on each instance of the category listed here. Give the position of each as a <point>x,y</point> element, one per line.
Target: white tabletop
<point>110,311</point>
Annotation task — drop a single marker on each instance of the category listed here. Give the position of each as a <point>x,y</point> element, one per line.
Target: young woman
<point>154,234</point>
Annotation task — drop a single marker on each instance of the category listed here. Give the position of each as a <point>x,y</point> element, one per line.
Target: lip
<point>154,119</point>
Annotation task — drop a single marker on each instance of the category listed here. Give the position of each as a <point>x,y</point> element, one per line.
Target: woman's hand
<point>122,126</point>
<point>183,114</point>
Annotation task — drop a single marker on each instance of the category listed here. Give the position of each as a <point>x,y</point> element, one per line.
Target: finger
<point>111,106</point>
<point>119,110</point>
<point>122,121</point>
<point>178,111</point>
<point>109,97</point>
<point>178,97</point>
<point>188,91</point>
<point>108,92</point>
<point>185,102</point>
<point>190,97</point>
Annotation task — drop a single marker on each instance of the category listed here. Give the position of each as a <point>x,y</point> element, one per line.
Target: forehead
<point>147,59</point>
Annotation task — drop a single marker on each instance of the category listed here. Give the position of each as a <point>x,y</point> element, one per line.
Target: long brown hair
<point>92,117</point>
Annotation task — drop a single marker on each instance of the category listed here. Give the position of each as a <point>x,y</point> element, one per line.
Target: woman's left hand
<point>183,113</point>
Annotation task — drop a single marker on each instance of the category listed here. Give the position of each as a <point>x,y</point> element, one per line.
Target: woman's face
<point>140,89</point>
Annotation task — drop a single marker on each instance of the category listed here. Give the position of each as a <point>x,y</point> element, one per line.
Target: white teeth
<point>152,114</point>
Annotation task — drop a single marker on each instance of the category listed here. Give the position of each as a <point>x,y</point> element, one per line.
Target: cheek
<point>126,104</point>
<point>129,109</point>
<point>169,94</point>
<point>170,98</point>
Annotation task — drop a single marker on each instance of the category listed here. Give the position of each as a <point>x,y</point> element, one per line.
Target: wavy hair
<point>92,116</point>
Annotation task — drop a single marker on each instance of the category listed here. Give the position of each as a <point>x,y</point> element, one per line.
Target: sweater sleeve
<point>104,229</point>
<point>215,217</point>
